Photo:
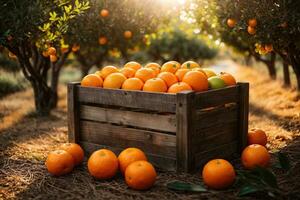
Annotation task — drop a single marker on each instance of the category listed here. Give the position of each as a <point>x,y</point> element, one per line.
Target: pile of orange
<point>171,77</point>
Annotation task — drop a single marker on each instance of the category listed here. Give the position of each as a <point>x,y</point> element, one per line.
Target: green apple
<point>209,73</point>
<point>216,82</point>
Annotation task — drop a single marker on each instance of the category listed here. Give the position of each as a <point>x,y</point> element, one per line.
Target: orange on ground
<point>133,84</point>
<point>190,65</point>
<point>53,58</point>
<point>144,74</point>
<point>251,30</point>
<point>128,34</point>
<point>257,136</point>
<point>129,156</point>
<point>197,80</point>
<point>227,78</point>
<point>114,81</point>
<point>179,87</point>
<point>218,174</point>
<point>154,66</point>
<point>128,72</point>
<point>135,65</point>
<point>171,66</point>
<point>102,40</point>
<point>231,23</point>
<point>155,85</point>
<point>92,80</point>
<point>75,150</point>
<point>168,77</point>
<point>108,70</point>
<point>180,73</point>
<point>140,175</point>
<point>252,22</point>
<point>104,13</point>
<point>59,162</point>
<point>255,155</point>
<point>103,164</point>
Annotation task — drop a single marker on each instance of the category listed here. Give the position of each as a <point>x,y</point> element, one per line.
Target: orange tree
<point>33,29</point>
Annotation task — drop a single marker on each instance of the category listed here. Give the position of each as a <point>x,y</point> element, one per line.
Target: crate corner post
<point>243,114</point>
<point>73,118</point>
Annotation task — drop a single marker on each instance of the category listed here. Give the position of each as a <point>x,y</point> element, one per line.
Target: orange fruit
<point>133,84</point>
<point>231,22</point>
<point>104,13</point>
<point>59,162</point>
<point>135,65</point>
<point>92,80</point>
<point>102,40</point>
<point>103,164</point>
<point>114,81</point>
<point>257,136</point>
<point>144,74</point>
<point>255,155</point>
<point>252,22</point>
<point>179,87</point>
<point>269,47</point>
<point>200,70</point>
<point>140,175</point>
<point>75,150</point>
<point>64,49</point>
<point>218,174</point>
<point>227,78</point>
<point>155,85</point>
<point>171,66</point>
<point>75,48</point>
<point>190,65</point>
<point>208,72</point>
<point>154,66</point>
<point>98,73</point>
<point>251,30</point>
<point>45,54</point>
<point>168,77</point>
<point>128,72</point>
<point>51,51</point>
<point>53,58</point>
<point>197,80</point>
<point>180,73</point>
<point>108,70</point>
<point>128,34</point>
<point>129,156</point>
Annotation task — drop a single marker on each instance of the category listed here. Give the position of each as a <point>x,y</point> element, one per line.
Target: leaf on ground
<point>182,186</point>
<point>248,189</point>
<point>284,161</point>
<point>266,176</point>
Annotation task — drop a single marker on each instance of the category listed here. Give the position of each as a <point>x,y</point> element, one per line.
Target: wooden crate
<point>177,132</point>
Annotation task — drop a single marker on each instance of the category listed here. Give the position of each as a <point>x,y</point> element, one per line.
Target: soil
<point>25,141</point>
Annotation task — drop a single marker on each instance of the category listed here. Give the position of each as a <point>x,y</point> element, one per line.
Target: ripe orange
<point>53,58</point>
<point>180,73</point>
<point>45,54</point>
<point>231,23</point>
<point>155,85</point>
<point>144,74</point>
<point>255,155</point>
<point>51,51</point>
<point>252,22</point>
<point>140,175</point>
<point>179,87</point>
<point>64,49</point>
<point>75,48</point>
<point>218,174</point>
<point>133,84</point>
<point>135,65</point>
<point>154,66</point>
<point>104,13</point>
<point>129,156</point>
<point>75,150</point>
<point>190,65</point>
<point>98,73</point>
<point>208,72</point>
<point>128,72</point>
<point>197,80</point>
<point>227,78</point>
<point>168,77</point>
<point>59,162</point>
<point>128,34</point>
<point>108,70</point>
<point>114,81</point>
<point>92,80</point>
<point>251,30</point>
<point>103,164</point>
<point>102,40</point>
<point>269,47</point>
<point>171,66</point>
<point>257,136</point>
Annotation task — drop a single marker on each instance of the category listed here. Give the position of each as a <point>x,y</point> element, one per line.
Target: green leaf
<point>182,186</point>
<point>284,161</point>
<point>248,189</point>
<point>266,176</point>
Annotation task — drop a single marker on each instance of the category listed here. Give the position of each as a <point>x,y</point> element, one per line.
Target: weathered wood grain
<point>73,115</point>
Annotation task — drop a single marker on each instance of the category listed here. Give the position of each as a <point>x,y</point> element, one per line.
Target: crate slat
<point>161,162</point>
<point>158,122</point>
<point>130,99</point>
<point>243,115</point>
<point>73,115</point>
<point>119,136</point>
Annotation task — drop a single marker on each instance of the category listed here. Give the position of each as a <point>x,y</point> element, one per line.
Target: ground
<point>26,140</point>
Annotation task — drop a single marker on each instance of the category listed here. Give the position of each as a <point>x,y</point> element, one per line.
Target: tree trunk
<point>286,74</point>
<point>295,62</point>
<point>269,63</point>
<point>42,96</point>
<point>248,62</point>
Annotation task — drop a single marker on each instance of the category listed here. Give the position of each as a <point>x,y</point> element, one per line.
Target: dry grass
<point>25,142</point>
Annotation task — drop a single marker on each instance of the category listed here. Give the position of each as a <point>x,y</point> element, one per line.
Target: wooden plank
<point>184,114</point>
<point>217,97</point>
<point>225,151</point>
<point>118,136</point>
<point>215,117</point>
<point>243,115</point>
<point>158,122</point>
<point>131,99</point>
<point>160,162</point>
<point>73,116</point>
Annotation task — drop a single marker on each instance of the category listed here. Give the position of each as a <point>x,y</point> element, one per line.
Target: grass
<point>10,83</point>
